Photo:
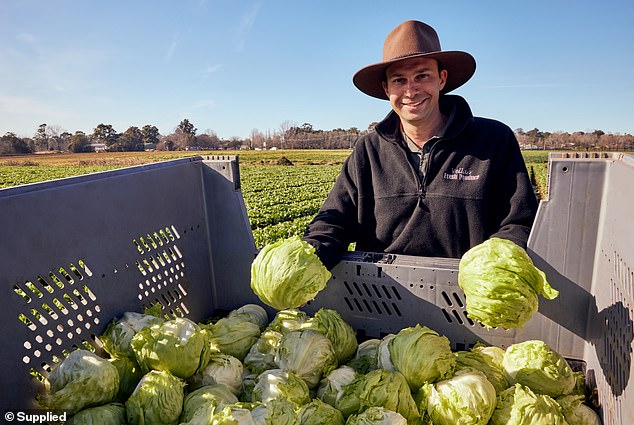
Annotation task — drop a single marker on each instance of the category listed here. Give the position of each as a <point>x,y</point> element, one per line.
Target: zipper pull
<point>421,196</point>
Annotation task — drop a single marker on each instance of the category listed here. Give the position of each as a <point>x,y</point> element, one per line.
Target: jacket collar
<point>390,128</point>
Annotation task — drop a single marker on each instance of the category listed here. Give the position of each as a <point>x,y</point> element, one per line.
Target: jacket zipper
<point>420,192</point>
<point>422,183</point>
<point>429,159</point>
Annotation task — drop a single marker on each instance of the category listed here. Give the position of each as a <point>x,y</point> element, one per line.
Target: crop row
<point>265,178</point>
<point>539,178</point>
<point>284,229</point>
<point>280,200</point>
<point>14,175</point>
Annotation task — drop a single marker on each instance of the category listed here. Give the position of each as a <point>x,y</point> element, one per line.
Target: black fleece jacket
<point>476,187</point>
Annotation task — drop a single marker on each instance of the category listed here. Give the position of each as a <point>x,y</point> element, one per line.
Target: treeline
<point>579,140</point>
<point>52,138</point>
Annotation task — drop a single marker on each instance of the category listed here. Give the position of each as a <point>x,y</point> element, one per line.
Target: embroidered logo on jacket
<point>460,173</point>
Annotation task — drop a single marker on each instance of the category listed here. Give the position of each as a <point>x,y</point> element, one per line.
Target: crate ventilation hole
<point>613,348</point>
<point>372,298</point>
<point>456,311</point>
<point>383,299</point>
<point>58,308</point>
<point>163,271</point>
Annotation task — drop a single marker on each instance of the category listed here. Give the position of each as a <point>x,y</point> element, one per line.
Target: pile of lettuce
<point>302,369</point>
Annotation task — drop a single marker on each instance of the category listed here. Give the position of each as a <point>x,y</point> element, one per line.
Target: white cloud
<point>201,104</point>
<point>37,66</point>
<point>25,37</point>
<point>246,23</point>
<point>21,105</point>
<point>72,70</point>
<point>17,111</point>
<point>171,48</point>
<point>210,69</point>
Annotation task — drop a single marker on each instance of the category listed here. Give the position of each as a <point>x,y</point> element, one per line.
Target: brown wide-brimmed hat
<point>414,39</point>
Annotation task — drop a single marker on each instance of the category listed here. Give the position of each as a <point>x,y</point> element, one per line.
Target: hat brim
<point>460,68</point>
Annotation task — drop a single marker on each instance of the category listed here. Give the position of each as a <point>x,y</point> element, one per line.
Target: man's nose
<point>411,88</point>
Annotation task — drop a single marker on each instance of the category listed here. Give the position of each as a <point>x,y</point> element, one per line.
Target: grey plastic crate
<point>583,239</point>
<point>77,252</point>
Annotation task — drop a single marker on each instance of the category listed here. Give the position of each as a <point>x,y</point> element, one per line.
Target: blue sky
<point>233,66</point>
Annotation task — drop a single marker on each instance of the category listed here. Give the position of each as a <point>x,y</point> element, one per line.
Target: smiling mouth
<point>413,104</point>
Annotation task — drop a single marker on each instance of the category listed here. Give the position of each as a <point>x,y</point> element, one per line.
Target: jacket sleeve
<point>517,203</point>
<point>332,229</point>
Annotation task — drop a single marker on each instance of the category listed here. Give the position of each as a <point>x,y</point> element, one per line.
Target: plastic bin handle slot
<point>380,258</point>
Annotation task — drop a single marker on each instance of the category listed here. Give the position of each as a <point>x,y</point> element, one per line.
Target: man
<point>431,180</point>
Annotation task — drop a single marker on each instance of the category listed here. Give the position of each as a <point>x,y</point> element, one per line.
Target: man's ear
<point>384,84</point>
<point>443,78</point>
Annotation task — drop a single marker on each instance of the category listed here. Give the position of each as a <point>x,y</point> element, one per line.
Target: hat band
<point>408,54</point>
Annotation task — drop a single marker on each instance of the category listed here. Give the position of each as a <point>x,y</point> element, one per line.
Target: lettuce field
<point>280,199</point>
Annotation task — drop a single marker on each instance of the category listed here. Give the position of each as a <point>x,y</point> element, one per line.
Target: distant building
<point>528,146</point>
<point>97,147</point>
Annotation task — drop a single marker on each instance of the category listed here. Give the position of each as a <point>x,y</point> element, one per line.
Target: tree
<point>234,143</point>
<point>63,141</point>
<point>58,138</point>
<point>185,133</point>
<point>166,144</point>
<point>208,140</point>
<point>598,133</point>
<point>105,133</point>
<point>79,142</point>
<point>537,137</point>
<point>51,138</point>
<point>150,134</point>
<point>130,140</point>
<point>285,126</point>
<point>258,140</point>
<point>186,127</point>
<point>11,144</point>
<point>41,138</point>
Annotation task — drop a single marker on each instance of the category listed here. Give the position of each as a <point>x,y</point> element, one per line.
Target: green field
<point>280,200</point>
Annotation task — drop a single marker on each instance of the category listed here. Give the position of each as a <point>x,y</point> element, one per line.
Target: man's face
<point>413,87</point>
